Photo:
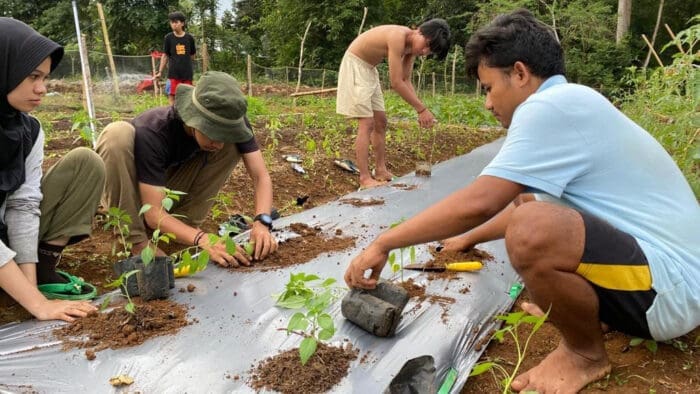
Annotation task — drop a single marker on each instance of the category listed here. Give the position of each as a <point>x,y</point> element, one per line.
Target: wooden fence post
<point>115,79</point>
<point>250,77</point>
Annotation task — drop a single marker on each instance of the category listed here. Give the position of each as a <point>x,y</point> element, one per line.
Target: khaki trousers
<point>71,189</point>
<point>201,177</point>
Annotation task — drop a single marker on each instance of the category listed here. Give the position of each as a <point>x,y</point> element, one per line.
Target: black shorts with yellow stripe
<point>617,268</point>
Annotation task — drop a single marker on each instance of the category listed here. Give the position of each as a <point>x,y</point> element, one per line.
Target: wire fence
<point>132,71</point>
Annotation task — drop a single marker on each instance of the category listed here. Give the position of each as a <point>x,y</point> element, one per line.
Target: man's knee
<point>527,234</point>
<point>117,136</point>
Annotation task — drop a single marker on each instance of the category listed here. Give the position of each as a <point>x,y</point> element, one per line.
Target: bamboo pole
<point>85,67</point>
<point>250,76</point>
<point>651,49</point>
<point>155,80</point>
<point>105,34</point>
<point>313,92</point>
<point>656,30</point>
<point>673,37</point>
<point>364,15</point>
<point>323,79</point>
<point>301,56</point>
<point>454,67</point>
<point>433,84</point>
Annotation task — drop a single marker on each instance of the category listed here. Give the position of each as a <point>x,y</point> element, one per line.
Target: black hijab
<point>22,50</point>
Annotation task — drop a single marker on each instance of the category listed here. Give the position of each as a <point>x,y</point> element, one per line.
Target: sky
<point>224,5</point>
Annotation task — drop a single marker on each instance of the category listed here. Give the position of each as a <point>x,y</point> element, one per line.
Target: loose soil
<point>284,372</point>
<point>119,328</point>
<point>299,250</point>
<point>635,369</point>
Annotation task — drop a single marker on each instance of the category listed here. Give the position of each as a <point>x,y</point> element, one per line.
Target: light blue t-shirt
<point>568,141</point>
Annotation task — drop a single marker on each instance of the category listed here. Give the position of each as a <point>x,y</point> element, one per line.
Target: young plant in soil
<point>512,322</point>
<point>149,252</point>
<point>120,220</point>
<point>314,324</point>
<point>411,250</point>
<point>121,282</point>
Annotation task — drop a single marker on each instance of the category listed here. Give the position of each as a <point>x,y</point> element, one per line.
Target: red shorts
<point>174,82</point>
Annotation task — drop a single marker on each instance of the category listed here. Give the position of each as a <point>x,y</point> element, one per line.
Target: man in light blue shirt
<point>623,249</point>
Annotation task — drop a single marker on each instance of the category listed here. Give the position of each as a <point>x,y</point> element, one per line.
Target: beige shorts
<point>359,88</point>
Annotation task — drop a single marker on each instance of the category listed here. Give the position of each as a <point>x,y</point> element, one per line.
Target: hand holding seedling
<point>373,258</point>
<point>263,241</point>
<point>223,253</point>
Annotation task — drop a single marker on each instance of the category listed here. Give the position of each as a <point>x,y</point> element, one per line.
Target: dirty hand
<point>219,255</point>
<point>62,310</point>
<point>265,243</point>
<point>459,243</point>
<point>426,119</point>
<point>373,259</point>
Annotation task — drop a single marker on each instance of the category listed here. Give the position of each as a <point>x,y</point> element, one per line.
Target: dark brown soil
<point>285,374</point>
<point>299,250</point>
<point>403,186</point>
<point>362,202</point>
<point>119,328</point>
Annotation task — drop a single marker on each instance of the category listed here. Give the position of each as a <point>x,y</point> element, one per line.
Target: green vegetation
<point>398,265</point>
<point>315,324</point>
<point>120,282</point>
<point>511,323</point>
<point>665,102</point>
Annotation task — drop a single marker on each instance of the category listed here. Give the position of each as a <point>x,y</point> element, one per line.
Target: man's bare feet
<point>383,176</point>
<point>562,371</point>
<point>370,183</point>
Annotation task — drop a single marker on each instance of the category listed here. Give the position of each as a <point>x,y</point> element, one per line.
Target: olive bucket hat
<point>216,107</point>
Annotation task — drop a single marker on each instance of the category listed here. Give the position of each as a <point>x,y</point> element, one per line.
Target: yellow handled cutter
<point>462,266</point>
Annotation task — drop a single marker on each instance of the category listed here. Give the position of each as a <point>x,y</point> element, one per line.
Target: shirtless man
<point>360,92</point>
<point>620,245</point>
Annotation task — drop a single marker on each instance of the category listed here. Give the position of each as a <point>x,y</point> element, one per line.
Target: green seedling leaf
<point>326,334</point>
<point>298,322</point>
<point>249,248</point>
<point>481,368</point>
<point>636,341</point>
<point>144,209</point>
<point>325,321</point>
<point>292,302</point>
<point>130,307</point>
<point>652,346</point>
<point>307,349</point>
<point>147,255</point>
<point>311,277</point>
<point>328,282</point>
<point>105,303</point>
<point>167,203</point>
<point>230,246</point>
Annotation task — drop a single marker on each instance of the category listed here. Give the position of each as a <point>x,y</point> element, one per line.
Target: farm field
<point>309,128</point>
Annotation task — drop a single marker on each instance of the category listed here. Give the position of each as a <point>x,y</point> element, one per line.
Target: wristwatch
<point>264,219</point>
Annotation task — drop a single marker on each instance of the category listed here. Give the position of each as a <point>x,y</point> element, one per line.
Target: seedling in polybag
<point>118,219</point>
<point>315,324</point>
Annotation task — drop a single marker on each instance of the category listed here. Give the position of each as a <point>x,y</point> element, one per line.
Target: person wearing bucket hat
<point>39,213</point>
<point>192,146</point>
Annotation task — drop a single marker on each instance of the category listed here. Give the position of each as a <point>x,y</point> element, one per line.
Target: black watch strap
<point>264,219</point>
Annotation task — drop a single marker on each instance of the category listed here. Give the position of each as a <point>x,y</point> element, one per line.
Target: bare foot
<point>532,309</point>
<point>562,371</point>
<point>370,183</point>
<point>383,176</point>
<point>535,310</point>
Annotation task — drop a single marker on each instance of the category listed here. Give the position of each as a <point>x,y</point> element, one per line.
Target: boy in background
<point>178,53</point>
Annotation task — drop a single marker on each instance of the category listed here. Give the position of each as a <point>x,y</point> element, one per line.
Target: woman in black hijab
<point>39,215</point>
